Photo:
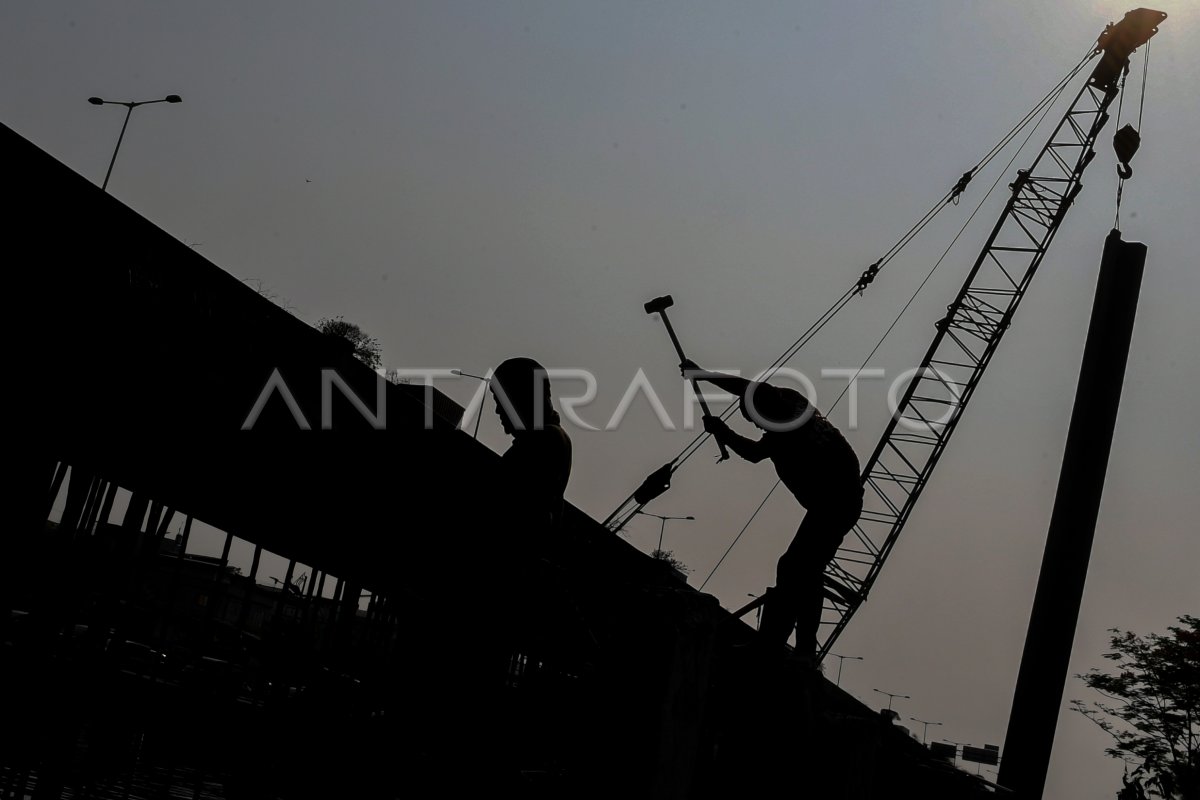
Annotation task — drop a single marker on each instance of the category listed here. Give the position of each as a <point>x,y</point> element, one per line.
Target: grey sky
<point>499,178</point>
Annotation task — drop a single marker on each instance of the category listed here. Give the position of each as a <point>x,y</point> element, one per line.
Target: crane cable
<point>618,519</point>
<point>872,271</point>
<point>869,275</point>
<point>1057,92</point>
<point>1123,176</point>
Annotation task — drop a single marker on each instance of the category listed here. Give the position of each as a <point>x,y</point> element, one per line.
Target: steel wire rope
<point>620,517</point>
<point>898,317</point>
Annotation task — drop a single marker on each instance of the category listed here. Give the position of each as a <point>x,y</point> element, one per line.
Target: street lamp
<point>479,412</point>
<point>130,105</point>
<point>924,733</point>
<point>892,697</point>
<point>663,528</point>
<point>757,611</point>
<point>841,660</point>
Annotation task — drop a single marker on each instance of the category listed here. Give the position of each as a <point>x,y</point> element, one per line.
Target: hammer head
<point>659,304</point>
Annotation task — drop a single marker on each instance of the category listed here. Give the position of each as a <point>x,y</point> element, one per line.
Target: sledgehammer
<point>659,305</point>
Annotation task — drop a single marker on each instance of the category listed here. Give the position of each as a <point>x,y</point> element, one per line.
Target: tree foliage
<point>1151,709</point>
<point>669,557</point>
<point>366,348</point>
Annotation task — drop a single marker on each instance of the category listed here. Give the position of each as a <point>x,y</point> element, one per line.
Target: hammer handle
<point>695,385</point>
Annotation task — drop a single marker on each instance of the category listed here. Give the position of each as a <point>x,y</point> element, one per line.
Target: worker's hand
<point>716,426</point>
<point>687,367</point>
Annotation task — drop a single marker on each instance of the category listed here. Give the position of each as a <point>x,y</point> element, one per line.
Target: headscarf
<point>522,388</point>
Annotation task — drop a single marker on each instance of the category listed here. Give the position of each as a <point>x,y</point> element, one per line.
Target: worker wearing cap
<point>818,466</point>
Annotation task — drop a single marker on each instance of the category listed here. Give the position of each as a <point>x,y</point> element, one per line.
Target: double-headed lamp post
<point>892,697</point>
<point>842,660</point>
<point>663,528</point>
<point>130,105</point>
<point>926,723</point>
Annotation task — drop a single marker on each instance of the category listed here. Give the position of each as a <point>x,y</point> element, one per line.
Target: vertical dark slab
<point>1042,677</point>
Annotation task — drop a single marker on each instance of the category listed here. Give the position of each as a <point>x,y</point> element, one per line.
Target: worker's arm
<point>752,450</point>
<point>730,383</point>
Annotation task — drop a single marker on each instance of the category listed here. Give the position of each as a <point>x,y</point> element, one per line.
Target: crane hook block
<point>1126,143</point>
<point>1118,41</point>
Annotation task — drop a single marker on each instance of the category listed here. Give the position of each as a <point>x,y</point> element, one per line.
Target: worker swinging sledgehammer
<point>819,467</point>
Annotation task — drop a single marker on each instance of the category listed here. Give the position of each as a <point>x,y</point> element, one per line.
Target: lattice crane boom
<point>967,336</point>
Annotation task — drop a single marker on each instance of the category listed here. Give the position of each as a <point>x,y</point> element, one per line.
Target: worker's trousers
<point>799,592</point>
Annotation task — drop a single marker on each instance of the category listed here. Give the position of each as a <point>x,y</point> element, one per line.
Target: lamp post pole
<point>130,105</point>
<point>925,733</point>
<point>662,530</point>
<point>479,412</point>
<point>892,697</point>
<point>842,660</point>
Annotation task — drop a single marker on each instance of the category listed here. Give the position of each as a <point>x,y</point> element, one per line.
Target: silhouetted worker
<point>533,602</point>
<point>820,469</point>
<point>538,464</point>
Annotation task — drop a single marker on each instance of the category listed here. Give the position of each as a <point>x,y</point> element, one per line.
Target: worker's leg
<point>825,531</point>
<point>778,618</point>
<point>798,581</point>
<point>811,590</point>
<point>783,599</point>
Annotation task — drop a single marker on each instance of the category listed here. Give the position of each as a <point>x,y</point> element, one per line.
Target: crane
<point>966,337</point>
